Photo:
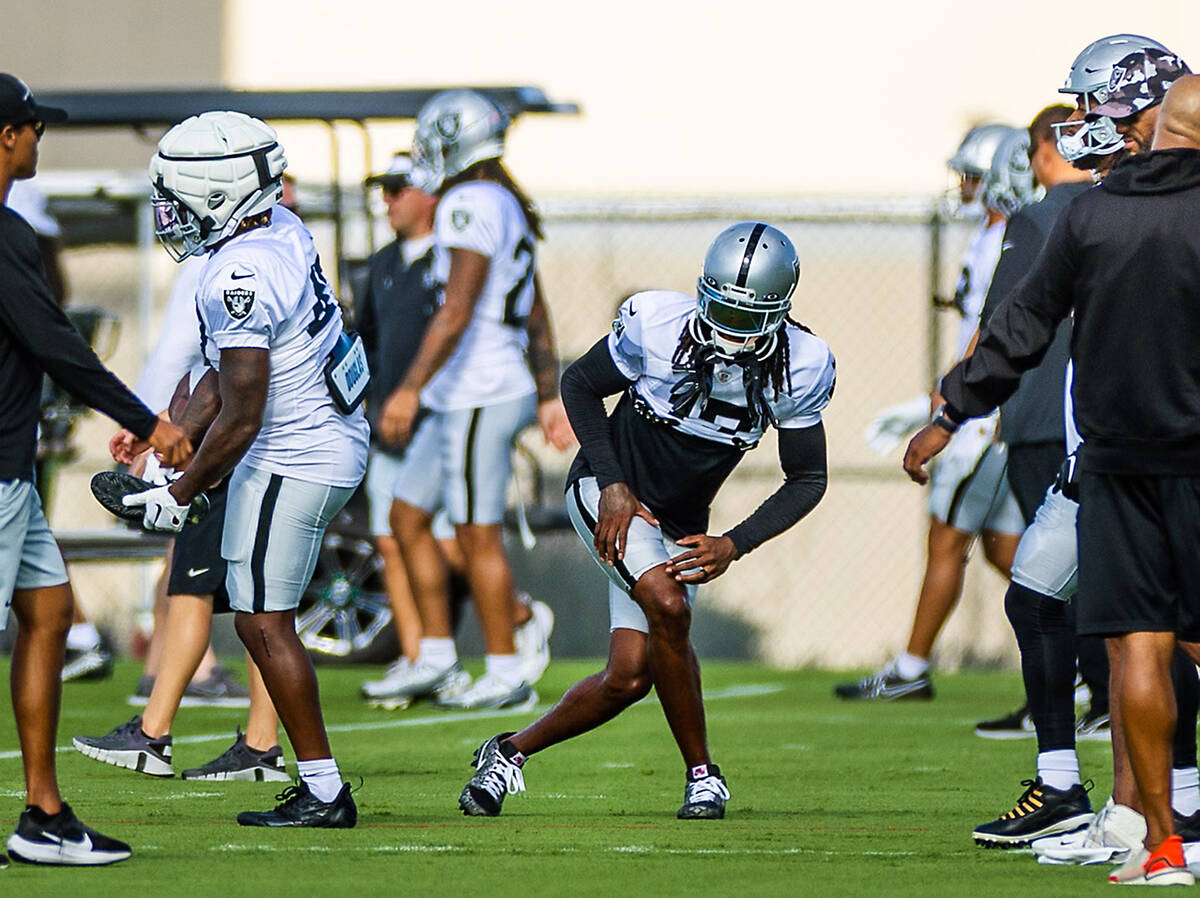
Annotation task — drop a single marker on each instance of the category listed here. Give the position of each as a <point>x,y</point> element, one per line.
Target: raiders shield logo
<point>460,218</point>
<point>238,303</point>
<point>448,125</point>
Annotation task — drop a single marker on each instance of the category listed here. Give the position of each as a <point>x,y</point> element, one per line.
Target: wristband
<point>943,421</point>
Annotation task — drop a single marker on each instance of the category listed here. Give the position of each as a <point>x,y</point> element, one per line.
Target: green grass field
<point>828,799</point>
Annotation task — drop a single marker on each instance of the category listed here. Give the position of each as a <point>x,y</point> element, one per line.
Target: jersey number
<point>511,317</point>
<point>325,304</point>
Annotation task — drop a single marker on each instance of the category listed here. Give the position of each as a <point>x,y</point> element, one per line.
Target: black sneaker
<point>1093,727</point>
<point>887,685</point>
<point>1041,811</point>
<point>1017,725</point>
<point>496,775</point>
<point>94,663</point>
<point>705,794</point>
<point>299,807</point>
<point>61,839</point>
<point>1187,828</point>
<point>141,692</point>
<point>218,690</point>
<point>241,762</point>
<point>127,746</point>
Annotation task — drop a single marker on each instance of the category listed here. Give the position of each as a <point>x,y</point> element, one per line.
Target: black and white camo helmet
<point>1089,78</point>
<point>745,287</point>
<point>455,129</point>
<point>1009,185</point>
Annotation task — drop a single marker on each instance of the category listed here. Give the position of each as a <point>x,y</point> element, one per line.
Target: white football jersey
<point>979,264</point>
<point>265,290</point>
<point>645,335</point>
<point>177,348</point>
<point>488,365</point>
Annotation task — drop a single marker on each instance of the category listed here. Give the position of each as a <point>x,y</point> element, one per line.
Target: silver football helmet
<point>1009,184</point>
<point>1089,79</point>
<point>745,289</point>
<point>210,173</point>
<point>970,162</point>
<point>455,129</point>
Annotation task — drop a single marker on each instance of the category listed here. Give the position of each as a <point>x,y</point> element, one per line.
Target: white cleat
<point>532,640</point>
<point>492,693</point>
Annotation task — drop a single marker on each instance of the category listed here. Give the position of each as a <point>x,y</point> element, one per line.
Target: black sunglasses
<point>39,127</point>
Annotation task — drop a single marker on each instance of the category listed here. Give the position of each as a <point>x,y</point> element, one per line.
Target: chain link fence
<point>839,589</point>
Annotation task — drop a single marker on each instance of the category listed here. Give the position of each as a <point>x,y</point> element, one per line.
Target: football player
<point>701,378</point>
<point>970,494</point>
<point>470,371</point>
<point>278,413</point>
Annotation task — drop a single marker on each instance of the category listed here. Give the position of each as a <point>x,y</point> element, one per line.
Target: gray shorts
<point>273,531</point>
<point>380,484</point>
<point>646,547</point>
<point>29,556</point>
<point>461,461</point>
<point>970,491</point>
<point>1047,559</point>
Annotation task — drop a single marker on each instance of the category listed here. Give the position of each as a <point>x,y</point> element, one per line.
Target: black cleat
<point>62,840</point>
<point>94,663</point>
<point>1017,725</point>
<point>1041,811</point>
<point>495,776</point>
<point>1094,726</point>
<point>885,686</point>
<point>1187,828</point>
<point>704,797</point>
<point>299,807</point>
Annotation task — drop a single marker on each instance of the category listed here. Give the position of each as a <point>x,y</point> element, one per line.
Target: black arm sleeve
<point>584,385</point>
<point>1018,333</point>
<point>805,475</point>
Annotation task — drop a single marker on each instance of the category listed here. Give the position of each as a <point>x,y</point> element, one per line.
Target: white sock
<point>1058,769</point>
<point>505,668</point>
<point>1185,790</point>
<point>438,653</point>
<point>322,778</point>
<point>910,666</point>
<point>83,636</point>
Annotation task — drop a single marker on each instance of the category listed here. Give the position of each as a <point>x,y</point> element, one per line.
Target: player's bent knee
<point>626,688</point>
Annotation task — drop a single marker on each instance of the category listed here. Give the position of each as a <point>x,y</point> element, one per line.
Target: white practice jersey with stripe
<point>488,365</point>
<point>265,290</point>
<point>979,264</point>
<point>643,341</point>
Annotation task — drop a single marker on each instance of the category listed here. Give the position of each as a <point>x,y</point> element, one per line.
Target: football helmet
<point>455,129</point>
<point>210,173</point>
<point>745,289</point>
<point>1089,78</point>
<point>969,164</point>
<point>1009,184</point>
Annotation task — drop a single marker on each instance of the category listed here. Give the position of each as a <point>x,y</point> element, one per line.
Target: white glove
<point>157,473</point>
<point>162,512</point>
<point>893,424</point>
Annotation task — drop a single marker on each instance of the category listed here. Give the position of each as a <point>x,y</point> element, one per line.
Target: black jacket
<point>1126,259</point>
<point>1034,413</point>
<point>36,337</point>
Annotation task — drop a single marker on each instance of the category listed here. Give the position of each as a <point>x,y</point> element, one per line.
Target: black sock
<point>1046,640</point>
<point>1187,702</point>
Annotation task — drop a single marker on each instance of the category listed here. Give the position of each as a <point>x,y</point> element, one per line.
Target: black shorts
<point>1139,555</point>
<point>197,568</point>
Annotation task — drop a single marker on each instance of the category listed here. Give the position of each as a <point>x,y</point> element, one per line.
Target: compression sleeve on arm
<point>802,456</point>
<point>584,385</point>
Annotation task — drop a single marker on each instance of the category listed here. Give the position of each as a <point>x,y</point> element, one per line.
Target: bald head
<point>1179,120</point>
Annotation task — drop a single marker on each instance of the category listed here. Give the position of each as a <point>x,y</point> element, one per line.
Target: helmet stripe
<point>744,270</point>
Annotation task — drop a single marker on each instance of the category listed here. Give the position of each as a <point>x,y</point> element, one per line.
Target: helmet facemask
<point>737,319</point>
<point>175,225</point>
<point>1076,138</point>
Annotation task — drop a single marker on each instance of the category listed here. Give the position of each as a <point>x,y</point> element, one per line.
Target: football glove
<point>1067,481</point>
<point>161,511</point>
<point>893,424</point>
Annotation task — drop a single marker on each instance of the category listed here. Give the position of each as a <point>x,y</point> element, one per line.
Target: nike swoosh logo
<point>197,571</point>
<point>238,276</point>
<point>85,843</point>
<point>896,691</point>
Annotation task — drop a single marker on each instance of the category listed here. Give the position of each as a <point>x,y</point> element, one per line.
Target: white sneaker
<point>393,678</point>
<point>532,640</point>
<point>1112,835</point>
<point>489,691</point>
<point>412,681</point>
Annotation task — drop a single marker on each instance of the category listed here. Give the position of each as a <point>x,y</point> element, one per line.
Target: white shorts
<point>273,531</point>
<point>29,556</point>
<point>461,460</point>
<point>1047,559</point>
<point>646,547</point>
<point>969,489</point>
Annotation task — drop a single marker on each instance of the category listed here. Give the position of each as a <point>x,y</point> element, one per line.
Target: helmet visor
<point>740,316</point>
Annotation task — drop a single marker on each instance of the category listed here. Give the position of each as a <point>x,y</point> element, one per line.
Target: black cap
<point>18,106</point>
<point>398,173</point>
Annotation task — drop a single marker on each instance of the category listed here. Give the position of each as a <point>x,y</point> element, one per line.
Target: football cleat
<point>127,746</point>
<point>705,794</point>
<point>1093,727</point>
<point>1187,828</point>
<point>94,663</point>
<point>532,640</point>
<point>241,762</point>
<point>488,692</point>
<point>1112,834</point>
<point>1165,866</point>
<point>1040,811</point>
<point>1017,725</point>
<point>62,840</point>
<point>419,680</point>
<point>886,686</point>
<point>394,679</point>
<point>496,776</point>
<point>299,807</point>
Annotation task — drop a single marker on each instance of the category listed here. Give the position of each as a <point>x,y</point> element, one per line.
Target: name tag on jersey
<point>346,372</point>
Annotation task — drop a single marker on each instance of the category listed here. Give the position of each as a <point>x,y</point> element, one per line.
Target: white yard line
<point>747,690</point>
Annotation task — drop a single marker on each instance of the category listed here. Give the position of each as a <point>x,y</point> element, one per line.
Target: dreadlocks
<point>696,358</point>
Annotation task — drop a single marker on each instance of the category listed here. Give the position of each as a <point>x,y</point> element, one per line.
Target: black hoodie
<point>1126,259</point>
